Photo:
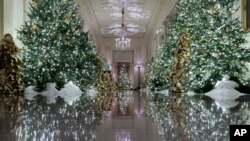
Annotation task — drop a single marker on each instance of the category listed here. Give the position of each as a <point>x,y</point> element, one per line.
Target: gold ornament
<point>68,17</point>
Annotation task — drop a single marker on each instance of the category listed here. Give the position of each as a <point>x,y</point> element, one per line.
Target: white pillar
<point>8,16</point>
<point>13,14</point>
<point>1,18</point>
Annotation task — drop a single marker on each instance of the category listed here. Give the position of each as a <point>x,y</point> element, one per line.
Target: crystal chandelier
<point>123,30</point>
<point>122,43</point>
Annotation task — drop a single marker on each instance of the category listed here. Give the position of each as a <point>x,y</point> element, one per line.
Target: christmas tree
<point>155,70</point>
<point>104,85</point>
<point>216,38</point>
<point>11,84</point>
<point>123,78</point>
<point>10,75</point>
<point>56,49</point>
<point>104,81</point>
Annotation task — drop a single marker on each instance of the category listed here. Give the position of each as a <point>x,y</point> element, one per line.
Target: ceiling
<point>99,14</point>
<point>140,14</point>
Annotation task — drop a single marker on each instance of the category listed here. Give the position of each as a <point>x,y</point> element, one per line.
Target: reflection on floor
<point>196,118</point>
<point>128,116</point>
<point>127,120</point>
<point>40,121</point>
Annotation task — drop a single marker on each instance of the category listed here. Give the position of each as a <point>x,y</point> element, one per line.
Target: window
<point>246,14</point>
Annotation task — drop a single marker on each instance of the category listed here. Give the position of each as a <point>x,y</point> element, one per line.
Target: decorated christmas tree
<point>11,83</point>
<point>10,74</point>
<point>158,68</point>
<point>104,81</point>
<point>216,37</point>
<point>104,85</point>
<point>123,78</point>
<point>56,49</point>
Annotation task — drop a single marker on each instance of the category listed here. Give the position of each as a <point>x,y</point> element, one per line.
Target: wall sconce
<point>110,66</point>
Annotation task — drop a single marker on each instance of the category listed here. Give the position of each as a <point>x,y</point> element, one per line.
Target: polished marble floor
<point>125,121</point>
<point>132,125</point>
<point>132,116</point>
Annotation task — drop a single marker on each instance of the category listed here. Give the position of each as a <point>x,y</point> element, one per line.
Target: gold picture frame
<point>246,14</point>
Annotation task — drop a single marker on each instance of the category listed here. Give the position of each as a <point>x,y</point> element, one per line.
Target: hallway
<point>123,70</point>
<point>134,126</point>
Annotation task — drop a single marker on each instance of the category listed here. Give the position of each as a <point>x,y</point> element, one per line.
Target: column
<point>1,18</point>
<point>13,17</point>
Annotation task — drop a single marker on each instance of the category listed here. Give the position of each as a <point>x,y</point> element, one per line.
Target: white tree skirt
<point>69,93</point>
<point>225,90</point>
<point>225,94</point>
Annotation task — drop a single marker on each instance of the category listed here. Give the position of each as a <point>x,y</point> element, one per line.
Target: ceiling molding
<point>159,10</point>
<point>164,8</point>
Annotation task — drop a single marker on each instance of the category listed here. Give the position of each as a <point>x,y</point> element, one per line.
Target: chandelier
<point>122,43</point>
<point>123,30</point>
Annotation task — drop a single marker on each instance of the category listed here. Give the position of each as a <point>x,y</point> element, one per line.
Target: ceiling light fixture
<point>123,30</point>
<point>122,43</point>
<point>134,11</point>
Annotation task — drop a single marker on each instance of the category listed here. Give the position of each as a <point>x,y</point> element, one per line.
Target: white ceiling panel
<point>100,14</point>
